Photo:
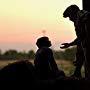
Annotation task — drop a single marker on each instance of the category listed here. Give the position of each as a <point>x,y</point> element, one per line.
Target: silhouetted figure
<point>45,64</point>
<point>18,71</point>
<point>81,19</point>
<point>79,59</point>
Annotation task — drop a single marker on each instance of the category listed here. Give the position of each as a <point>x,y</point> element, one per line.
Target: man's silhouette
<point>79,56</point>
<point>45,64</point>
<point>81,19</point>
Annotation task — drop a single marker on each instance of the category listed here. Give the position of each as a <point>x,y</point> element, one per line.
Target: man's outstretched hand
<point>65,45</point>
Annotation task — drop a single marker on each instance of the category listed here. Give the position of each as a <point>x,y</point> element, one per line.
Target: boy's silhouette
<point>45,64</point>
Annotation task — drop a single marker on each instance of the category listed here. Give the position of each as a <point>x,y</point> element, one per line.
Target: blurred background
<point>23,21</point>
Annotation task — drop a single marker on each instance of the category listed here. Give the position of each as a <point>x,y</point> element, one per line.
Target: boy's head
<point>43,42</point>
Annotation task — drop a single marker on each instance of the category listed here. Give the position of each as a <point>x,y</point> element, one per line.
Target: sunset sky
<point>22,22</point>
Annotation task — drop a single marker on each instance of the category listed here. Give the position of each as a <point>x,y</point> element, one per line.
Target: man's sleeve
<point>75,42</point>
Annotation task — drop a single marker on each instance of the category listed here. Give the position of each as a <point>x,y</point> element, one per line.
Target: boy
<point>45,64</point>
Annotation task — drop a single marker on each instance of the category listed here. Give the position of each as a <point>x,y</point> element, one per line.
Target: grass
<point>64,65</point>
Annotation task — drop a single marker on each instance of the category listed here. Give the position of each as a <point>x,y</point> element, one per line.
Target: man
<point>81,19</point>
<point>79,56</point>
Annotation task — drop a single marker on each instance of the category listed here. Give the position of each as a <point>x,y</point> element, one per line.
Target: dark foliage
<point>67,54</point>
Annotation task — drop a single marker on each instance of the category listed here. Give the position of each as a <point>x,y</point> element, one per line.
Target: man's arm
<point>66,45</point>
<point>75,42</point>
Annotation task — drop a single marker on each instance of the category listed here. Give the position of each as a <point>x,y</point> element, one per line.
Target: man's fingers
<point>64,43</point>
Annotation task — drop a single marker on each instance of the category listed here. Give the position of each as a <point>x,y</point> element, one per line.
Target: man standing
<point>81,19</point>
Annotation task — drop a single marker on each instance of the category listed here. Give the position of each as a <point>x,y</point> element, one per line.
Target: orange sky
<point>22,22</point>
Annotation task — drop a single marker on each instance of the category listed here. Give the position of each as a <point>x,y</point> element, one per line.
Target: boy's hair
<point>73,9</point>
<point>43,41</point>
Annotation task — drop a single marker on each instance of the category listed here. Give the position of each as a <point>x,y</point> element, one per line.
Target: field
<point>64,65</point>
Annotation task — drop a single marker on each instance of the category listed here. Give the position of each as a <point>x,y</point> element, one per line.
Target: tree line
<point>67,54</point>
